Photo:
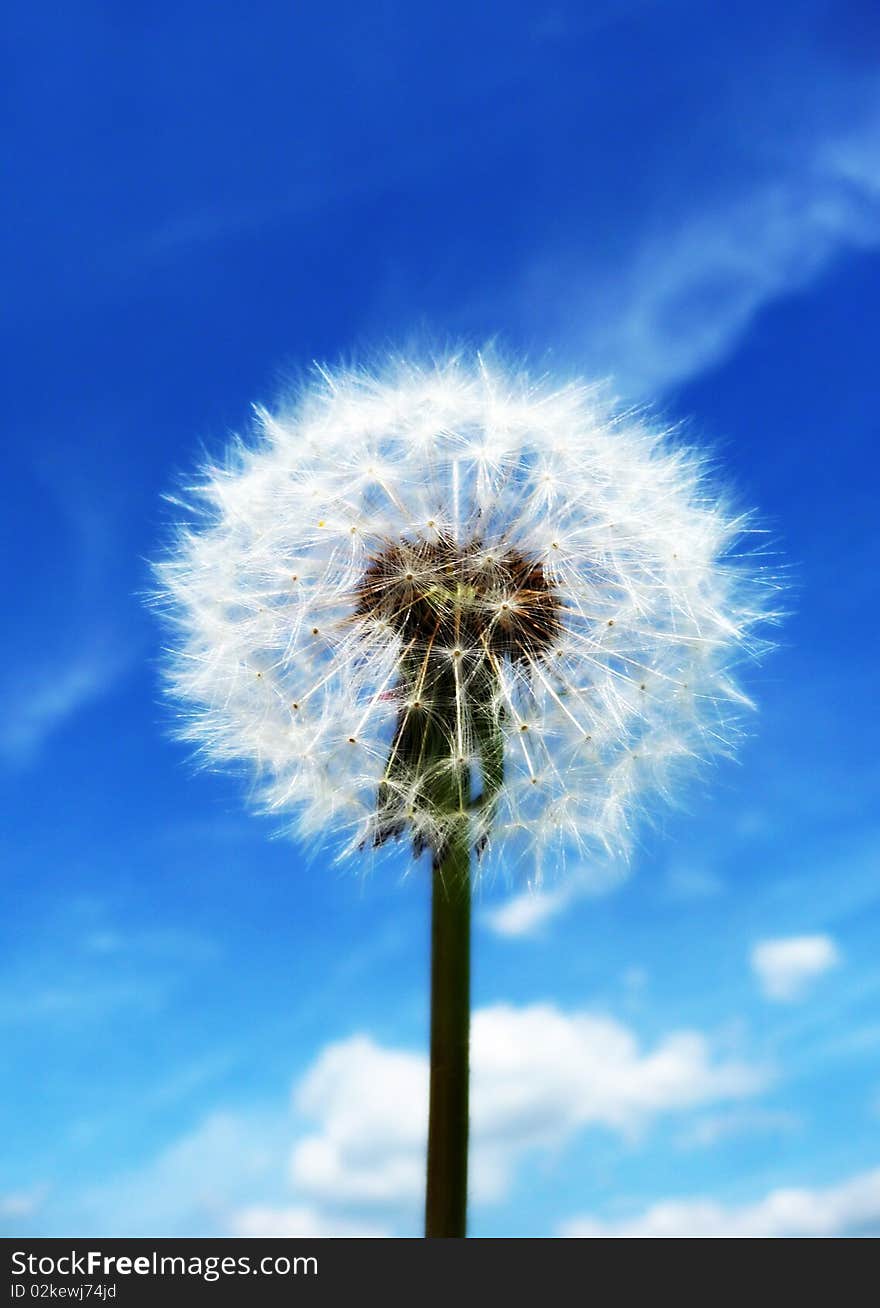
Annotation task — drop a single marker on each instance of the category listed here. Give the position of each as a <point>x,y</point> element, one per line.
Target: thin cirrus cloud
<point>87,966</point>
<point>736,1122</point>
<point>692,282</point>
<point>35,711</point>
<point>40,693</point>
<point>849,1208</point>
<point>788,967</point>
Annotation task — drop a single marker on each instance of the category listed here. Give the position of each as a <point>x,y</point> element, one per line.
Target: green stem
<point>446,1197</point>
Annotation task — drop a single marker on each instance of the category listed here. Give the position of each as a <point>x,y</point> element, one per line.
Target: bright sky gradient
<point>204,1031</point>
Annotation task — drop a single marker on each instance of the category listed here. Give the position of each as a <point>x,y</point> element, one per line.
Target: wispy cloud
<point>22,1203</point>
<point>86,969</point>
<point>688,882</point>
<point>79,1000</point>
<point>850,1208</point>
<point>526,913</point>
<point>44,701</point>
<point>732,1123</point>
<point>72,652</point>
<point>179,234</point>
<point>692,280</point>
<point>168,944</point>
<point>191,1187</point>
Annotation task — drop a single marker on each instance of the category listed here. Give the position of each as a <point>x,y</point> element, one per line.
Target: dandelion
<point>451,605</point>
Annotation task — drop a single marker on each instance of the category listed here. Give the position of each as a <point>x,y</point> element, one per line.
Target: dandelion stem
<point>446,1196</point>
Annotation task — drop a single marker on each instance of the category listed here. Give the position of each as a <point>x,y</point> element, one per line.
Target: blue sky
<point>205,1031</point>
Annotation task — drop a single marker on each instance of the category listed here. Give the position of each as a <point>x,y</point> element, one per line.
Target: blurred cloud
<point>539,1076</point>
<point>527,912</point>
<point>40,703</point>
<point>192,1186</point>
<point>78,1000</point>
<point>77,642</point>
<point>848,1209</point>
<point>747,1120</point>
<point>22,1203</point>
<point>298,1223</point>
<point>686,882</point>
<point>82,969</point>
<point>167,944</point>
<point>371,1103</point>
<point>225,1177</point>
<point>694,278</point>
<point>787,967</point>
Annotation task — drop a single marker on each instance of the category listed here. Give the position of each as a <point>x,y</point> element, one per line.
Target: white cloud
<point>848,1209</point>
<point>371,1103</point>
<point>527,912</point>
<point>787,967</point>
<point>539,1076</point>
<point>300,1223</point>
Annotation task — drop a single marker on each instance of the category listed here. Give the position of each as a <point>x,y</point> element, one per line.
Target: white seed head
<point>410,553</point>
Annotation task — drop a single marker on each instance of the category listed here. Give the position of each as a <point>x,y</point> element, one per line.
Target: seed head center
<point>439,594</point>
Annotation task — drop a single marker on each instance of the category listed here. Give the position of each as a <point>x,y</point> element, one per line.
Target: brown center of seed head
<point>442,595</point>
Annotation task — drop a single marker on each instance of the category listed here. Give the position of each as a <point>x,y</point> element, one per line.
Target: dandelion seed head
<point>439,593</point>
